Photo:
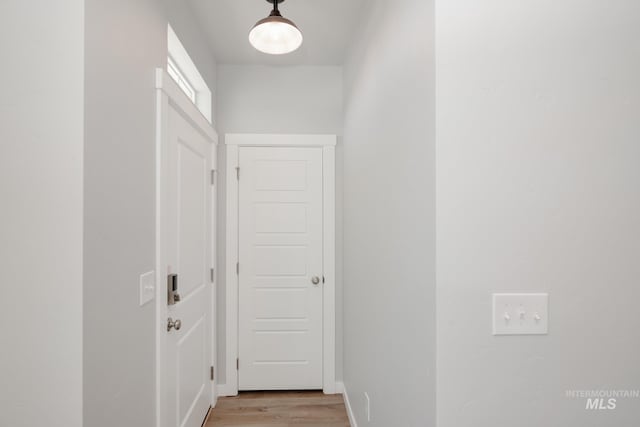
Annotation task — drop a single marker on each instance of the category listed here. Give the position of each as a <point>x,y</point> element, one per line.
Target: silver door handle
<point>177,324</point>
<point>315,280</point>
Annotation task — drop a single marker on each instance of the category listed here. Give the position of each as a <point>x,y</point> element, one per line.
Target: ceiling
<point>327,27</point>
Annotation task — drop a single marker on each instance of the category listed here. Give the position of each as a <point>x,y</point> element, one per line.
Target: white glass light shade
<point>275,35</point>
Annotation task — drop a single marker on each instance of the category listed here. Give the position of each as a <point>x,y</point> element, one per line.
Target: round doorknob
<point>315,280</point>
<point>173,324</point>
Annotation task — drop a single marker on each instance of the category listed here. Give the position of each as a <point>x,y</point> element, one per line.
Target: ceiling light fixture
<point>275,34</point>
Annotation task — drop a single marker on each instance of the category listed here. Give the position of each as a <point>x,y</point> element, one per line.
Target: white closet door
<point>280,268</point>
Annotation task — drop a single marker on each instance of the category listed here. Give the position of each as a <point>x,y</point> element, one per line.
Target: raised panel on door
<point>280,251</point>
<point>188,219</point>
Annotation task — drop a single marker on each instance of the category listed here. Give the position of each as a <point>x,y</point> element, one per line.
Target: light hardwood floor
<point>280,409</point>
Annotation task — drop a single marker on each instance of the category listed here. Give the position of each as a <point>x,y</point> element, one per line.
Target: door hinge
<point>213,275</point>
<point>238,172</point>
<point>213,177</point>
<point>237,268</point>
<point>213,373</point>
<point>237,364</point>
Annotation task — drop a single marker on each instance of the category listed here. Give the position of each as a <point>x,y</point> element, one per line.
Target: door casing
<point>168,92</point>
<point>233,143</point>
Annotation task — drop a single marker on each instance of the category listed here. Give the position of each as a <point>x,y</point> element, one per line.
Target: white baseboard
<point>339,387</point>
<point>225,391</point>
<point>345,396</point>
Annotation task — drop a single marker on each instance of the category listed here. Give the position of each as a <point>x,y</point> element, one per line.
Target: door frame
<point>233,144</point>
<point>168,93</point>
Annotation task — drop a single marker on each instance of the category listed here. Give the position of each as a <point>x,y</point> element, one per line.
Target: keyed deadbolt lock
<point>172,289</point>
<point>315,280</point>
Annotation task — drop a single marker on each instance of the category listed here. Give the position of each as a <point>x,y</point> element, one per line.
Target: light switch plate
<point>520,314</point>
<point>147,287</point>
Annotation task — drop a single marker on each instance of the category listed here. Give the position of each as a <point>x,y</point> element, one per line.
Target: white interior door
<point>189,346</point>
<point>280,268</point>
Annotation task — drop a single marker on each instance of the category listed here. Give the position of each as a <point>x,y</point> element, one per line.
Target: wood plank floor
<point>280,409</point>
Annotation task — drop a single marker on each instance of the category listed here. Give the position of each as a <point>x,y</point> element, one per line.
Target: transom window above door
<point>184,71</point>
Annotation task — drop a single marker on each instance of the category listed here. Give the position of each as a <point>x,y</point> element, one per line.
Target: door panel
<point>190,360</point>
<point>188,227</point>
<point>280,250</point>
<point>192,215</point>
<point>275,261</point>
<point>281,218</point>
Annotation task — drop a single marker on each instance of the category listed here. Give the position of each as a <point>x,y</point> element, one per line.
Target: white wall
<point>41,212</point>
<point>389,216</point>
<point>262,99</point>
<point>267,99</point>
<point>538,119</point>
<point>125,43</point>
